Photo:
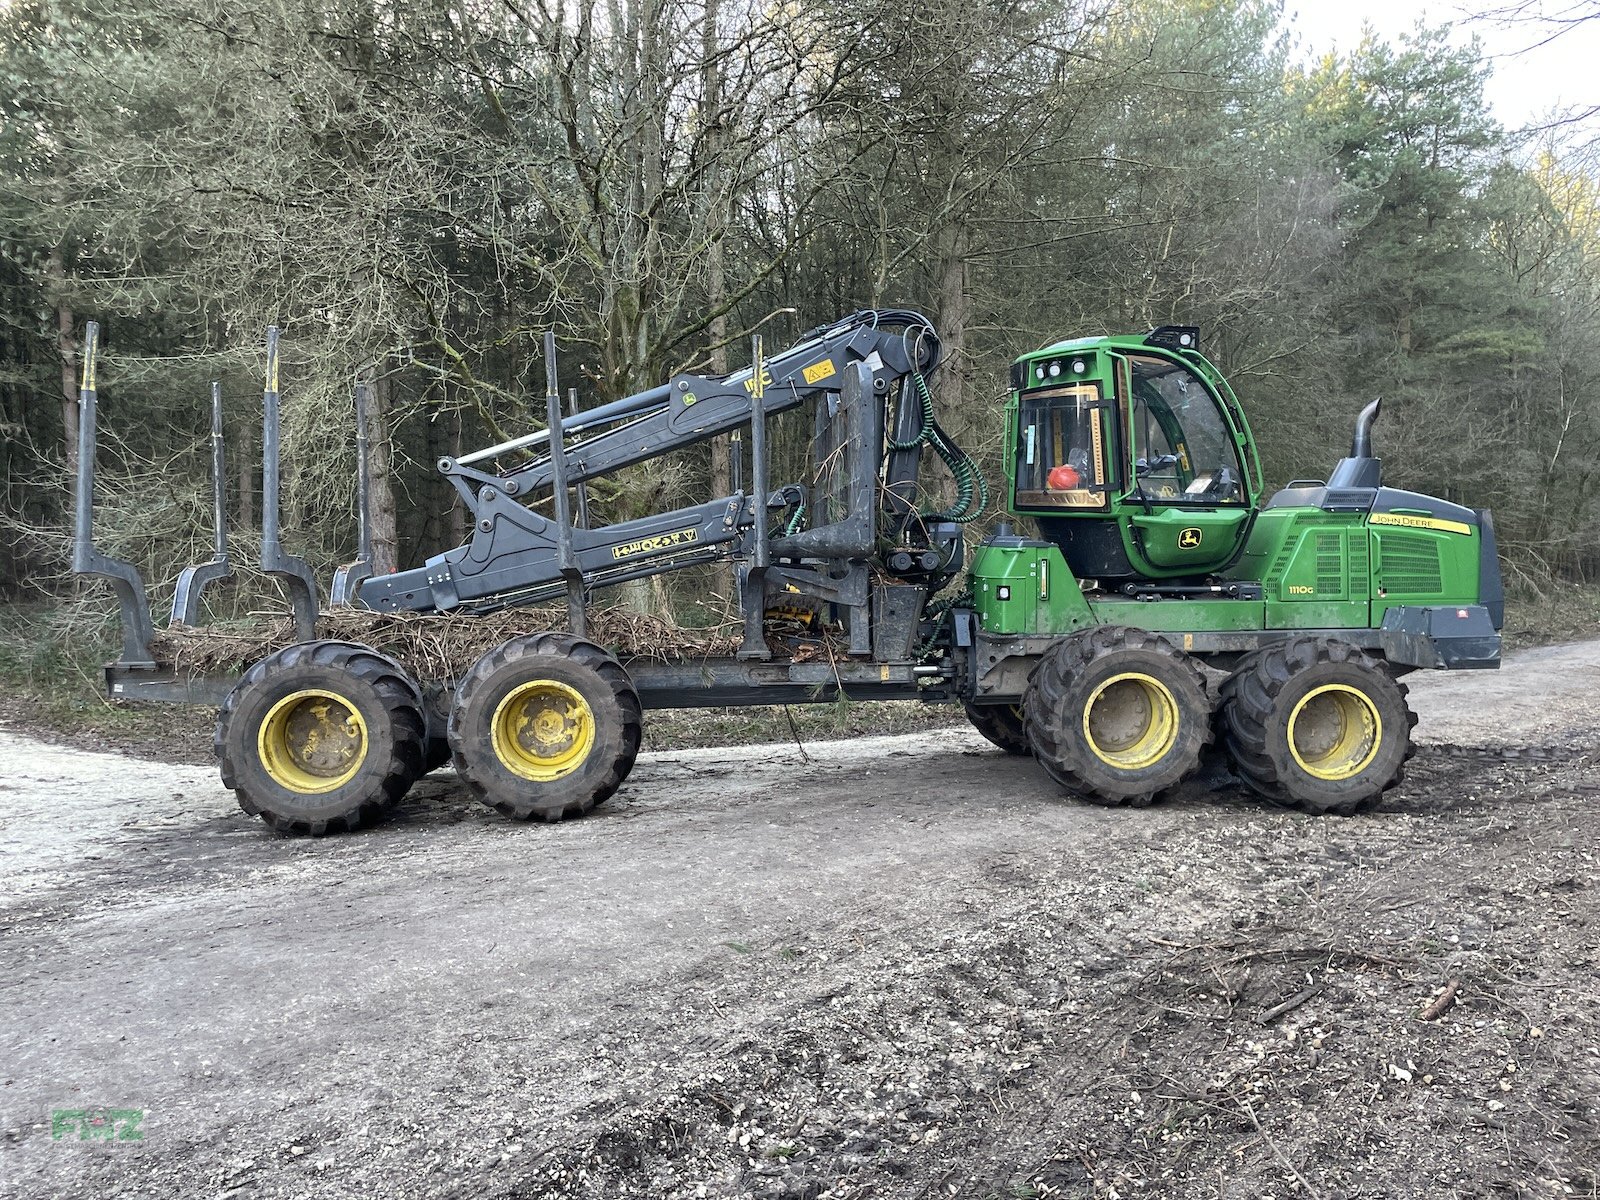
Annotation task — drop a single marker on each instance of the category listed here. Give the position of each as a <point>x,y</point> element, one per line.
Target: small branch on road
<point>1441,1003</point>
<point>795,731</point>
<point>1289,1005</point>
<point>1277,1153</point>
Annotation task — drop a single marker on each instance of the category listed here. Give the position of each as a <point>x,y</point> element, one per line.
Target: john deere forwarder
<point>1154,566</point>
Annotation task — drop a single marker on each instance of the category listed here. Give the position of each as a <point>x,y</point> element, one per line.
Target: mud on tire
<point>1317,724</point>
<point>321,737</point>
<point>1117,715</point>
<point>545,726</point>
<point>1002,724</point>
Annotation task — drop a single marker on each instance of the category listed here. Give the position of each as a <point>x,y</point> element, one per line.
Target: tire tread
<point>1051,714</point>
<point>1250,703</point>
<point>584,653</point>
<point>401,699</point>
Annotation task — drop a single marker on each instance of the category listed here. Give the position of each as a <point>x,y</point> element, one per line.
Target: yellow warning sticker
<point>1410,522</point>
<point>663,541</point>
<point>818,371</point>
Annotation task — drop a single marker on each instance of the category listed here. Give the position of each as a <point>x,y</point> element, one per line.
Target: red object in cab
<point>1063,479</point>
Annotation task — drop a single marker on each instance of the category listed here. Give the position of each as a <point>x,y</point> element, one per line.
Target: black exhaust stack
<point>1361,469</point>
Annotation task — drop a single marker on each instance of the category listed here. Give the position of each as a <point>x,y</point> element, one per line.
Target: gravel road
<point>899,967</point>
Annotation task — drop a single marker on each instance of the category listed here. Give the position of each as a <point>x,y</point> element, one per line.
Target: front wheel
<point>1117,715</point>
<point>545,726</point>
<point>1317,724</point>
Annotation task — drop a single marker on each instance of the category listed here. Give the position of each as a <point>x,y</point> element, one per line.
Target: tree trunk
<point>715,221</point>
<point>55,271</point>
<point>243,452</point>
<point>954,309</point>
<point>954,316</point>
<point>458,510</point>
<point>385,537</point>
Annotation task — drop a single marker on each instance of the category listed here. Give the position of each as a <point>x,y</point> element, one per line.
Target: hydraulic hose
<point>972,489</point>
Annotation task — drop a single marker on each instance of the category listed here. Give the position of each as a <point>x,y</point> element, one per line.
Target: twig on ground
<point>795,730</point>
<point>1441,1003</point>
<point>1289,1005</point>
<point>1277,1153</point>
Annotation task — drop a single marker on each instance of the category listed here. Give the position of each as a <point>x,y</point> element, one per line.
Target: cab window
<point>1182,450</point>
<point>1060,454</point>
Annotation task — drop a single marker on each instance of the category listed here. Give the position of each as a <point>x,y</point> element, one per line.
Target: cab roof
<point>1166,337</point>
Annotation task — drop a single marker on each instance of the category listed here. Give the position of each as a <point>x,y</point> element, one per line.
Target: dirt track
<point>907,968</point>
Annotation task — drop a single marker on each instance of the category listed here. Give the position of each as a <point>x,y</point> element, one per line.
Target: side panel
<point>1314,567</point>
<point>1181,616</point>
<point>1025,587</point>
<point>1322,578</point>
<point>1325,570</point>
<point>1417,566</point>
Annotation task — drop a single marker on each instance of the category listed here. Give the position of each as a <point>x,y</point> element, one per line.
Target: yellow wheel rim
<point>542,730</point>
<point>312,742</point>
<point>1131,721</point>
<point>1335,732</point>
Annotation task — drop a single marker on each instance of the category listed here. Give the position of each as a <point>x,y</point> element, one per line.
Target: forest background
<point>428,187</point>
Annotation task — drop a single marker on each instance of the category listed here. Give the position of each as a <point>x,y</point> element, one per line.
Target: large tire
<point>545,726</point>
<point>1117,715</point>
<point>1317,724</point>
<point>1002,724</point>
<point>321,737</point>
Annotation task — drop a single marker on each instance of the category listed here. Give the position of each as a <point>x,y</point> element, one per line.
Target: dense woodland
<point>429,187</point>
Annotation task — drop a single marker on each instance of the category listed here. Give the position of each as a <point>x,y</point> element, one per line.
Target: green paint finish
<point>1324,570</point>
<point>1181,616</point>
<point>1422,566</point>
<point>1147,436</point>
<point>1026,589</point>
<point>1083,415</point>
<point>1318,570</point>
<point>1187,540</point>
<point>1099,356</point>
<point>1312,565</point>
<point>1317,614</point>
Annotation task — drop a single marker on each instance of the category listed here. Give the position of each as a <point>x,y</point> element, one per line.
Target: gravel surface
<point>897,967</point>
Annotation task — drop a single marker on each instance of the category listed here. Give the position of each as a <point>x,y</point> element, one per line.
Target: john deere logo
<point>1188,539</point>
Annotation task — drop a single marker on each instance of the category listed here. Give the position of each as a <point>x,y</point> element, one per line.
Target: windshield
<point>1182,449</point>
<point>1060,459</point>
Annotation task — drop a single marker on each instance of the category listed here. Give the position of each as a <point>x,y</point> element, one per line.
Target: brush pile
<point>432,646</point>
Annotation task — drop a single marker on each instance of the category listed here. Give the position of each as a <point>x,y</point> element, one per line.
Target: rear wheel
<point>1002,724</point>
<point>321,737</point>
<point>545,726</point>
<point>1117,715</point>
<point>1317,724</point>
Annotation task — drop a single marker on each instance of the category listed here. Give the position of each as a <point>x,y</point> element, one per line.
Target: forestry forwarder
<point>1158,556</point>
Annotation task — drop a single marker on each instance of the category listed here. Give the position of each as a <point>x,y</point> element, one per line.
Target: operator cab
<point>1133,456</point>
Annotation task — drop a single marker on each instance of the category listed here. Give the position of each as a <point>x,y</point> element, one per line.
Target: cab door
<point>1186,506</point>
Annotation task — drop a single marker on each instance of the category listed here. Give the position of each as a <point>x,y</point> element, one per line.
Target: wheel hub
<point>312,741</point>
<point>543,730</point>
<point>1334,732</point>
<point>1131,721</point>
